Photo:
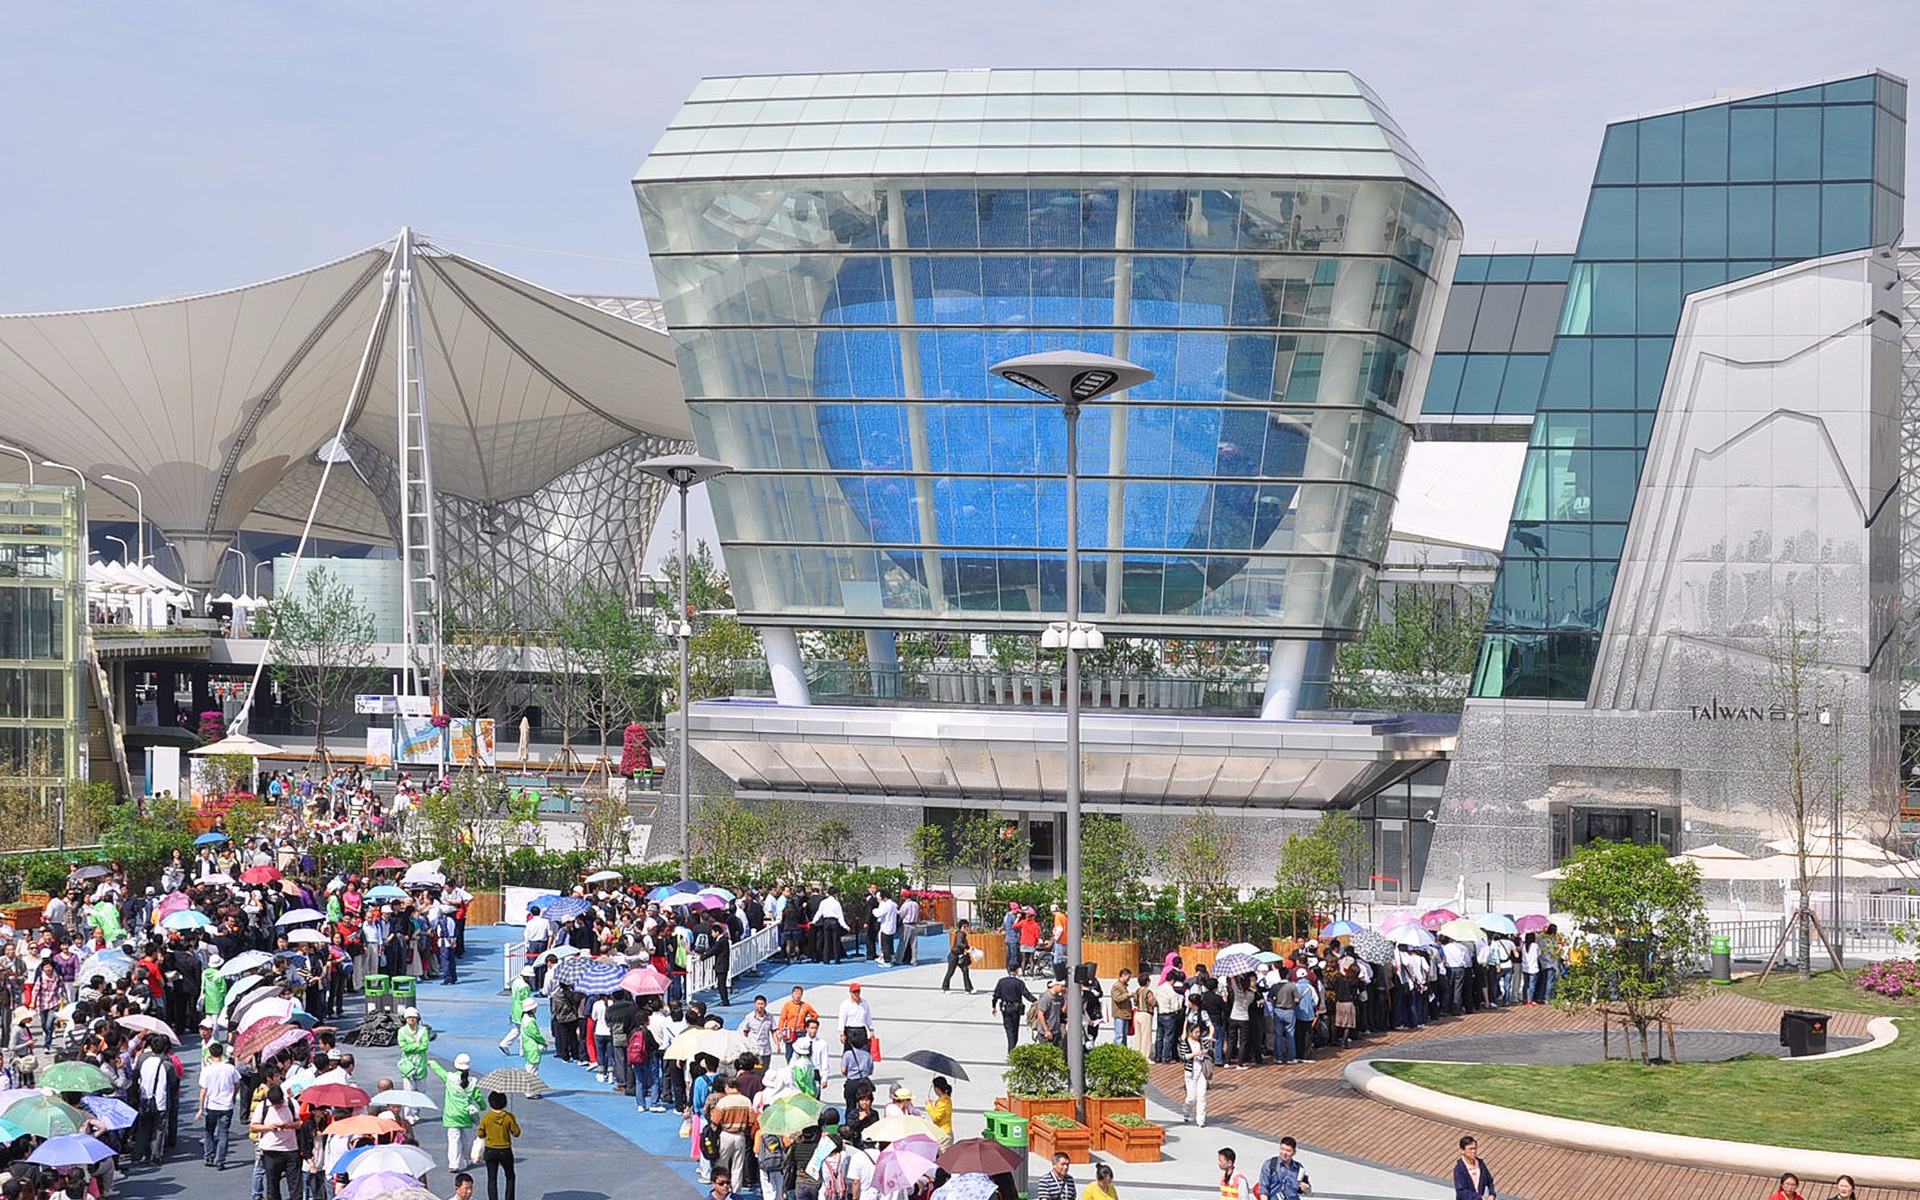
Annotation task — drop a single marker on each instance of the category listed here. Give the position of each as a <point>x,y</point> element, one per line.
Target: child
<point>498,1128</point>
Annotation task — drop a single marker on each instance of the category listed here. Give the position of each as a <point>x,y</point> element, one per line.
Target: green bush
<point>1036,1071</point>
<point>1130,1120</point>
<point>1056,1121</point>
<point>1116,1071</point>
<point>1032,893</point>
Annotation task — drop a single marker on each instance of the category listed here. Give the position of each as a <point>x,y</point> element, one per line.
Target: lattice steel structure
<point>1908,259</point>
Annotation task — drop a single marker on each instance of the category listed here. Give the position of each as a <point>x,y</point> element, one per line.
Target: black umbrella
<point>936,1062</point>
<point>93,872</point>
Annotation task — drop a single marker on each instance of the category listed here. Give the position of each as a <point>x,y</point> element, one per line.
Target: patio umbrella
<point>260,875</point>
<point>300,916</point>
<point>71,1150</point>
<point>603,877</point>
<point>389,863</point>
<point>645,981</point>
<point>938,1063</point>
<point>1340,929</point>
<point>971,1185</point>
<point>982,1156</point>
<point>791,1114</point>
<point>211,839</point>
<point>1226,966</point>
<point>1435,918</point>
<point>1373,947</point>
<point>1824,845</point>
<point>401,1160</point>
<point>387,891</point>
<point>566,908</point>
<point>904,1164</point>
<point>724,1045</point>
<point>45,1117</point>
<point>1496,923</point>
<point>307,937</point>
<point>76,1076</point>
<point>377,1185</point>
<point>236,743</point>
<point>515,1081</point>
<point>113,964</point>
<point>186,920</point>
<point>1532,923</point>
<point>364,1123</point>
<point>893,1129</point>
<point>404,1097</point>
<point>1411,935</point>
<point>600,978</point>
<point>108,1111</point>
<point>1462,930</point>
<point>336,1095</point>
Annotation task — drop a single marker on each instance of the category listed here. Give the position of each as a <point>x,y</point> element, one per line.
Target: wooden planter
<point>1196,956</point>
<point>40,898</point>
<point>1099,1108</point>
<point>1284,947</point>
<point>938,909</point>
<point>1109,957</point>
<point>27,916</point>
<point>484,909</point>
<point>1029,1107</point>
<point>1131,1144</point>
<point>993,946</point>
<point>1046,1141</point>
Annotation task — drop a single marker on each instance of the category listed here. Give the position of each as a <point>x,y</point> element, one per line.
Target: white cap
<point>411,1012</point>
<point>462,1063</point>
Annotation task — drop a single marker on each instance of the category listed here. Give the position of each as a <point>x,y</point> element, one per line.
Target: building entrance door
<point>1392,862</point>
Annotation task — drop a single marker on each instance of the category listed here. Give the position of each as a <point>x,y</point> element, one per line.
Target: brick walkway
<point>1311,1103</point>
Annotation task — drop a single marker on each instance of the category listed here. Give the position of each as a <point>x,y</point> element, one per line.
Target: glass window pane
<point>1706,144</point>
<point>1847,149</point>
<point>1480,387</point>
<point>1608,229</point>
<point>1750,221</point>
<point>1520,390</point>
<point>1660,149</point>
<point>1703,222</point>
<point>1659,232</point>
<point>1619,155</point>
<point>1539,314</point>
<point>1499,313</point>
<point>1797,144</point>
<point>1472,268</point>
<point>1508,268</point>
<point>1443,384</point>
<point>1796,221</point>
<point>1456,323</point>
<point>1659,297</point>
<point>1750,144</point>
<point>1846,217</point>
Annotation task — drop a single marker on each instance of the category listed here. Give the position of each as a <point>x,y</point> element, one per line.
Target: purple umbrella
<point>373,1185</point>
<point>111,1113</point>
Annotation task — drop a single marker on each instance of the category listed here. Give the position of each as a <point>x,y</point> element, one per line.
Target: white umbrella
<point>1850,847</point>
<point>306,937</point>
<point>237,743</point>
<point>603,877</point>
<point>403,1160</point>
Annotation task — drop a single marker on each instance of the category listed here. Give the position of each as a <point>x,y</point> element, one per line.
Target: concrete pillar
<point>883,662</point>
<point>1286,668</point>
<point>783,663</point>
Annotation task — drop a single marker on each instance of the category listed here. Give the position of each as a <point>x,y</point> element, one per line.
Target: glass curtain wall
<point>42,606</point>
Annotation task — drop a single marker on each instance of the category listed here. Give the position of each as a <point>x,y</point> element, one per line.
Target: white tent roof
<point>216,404</point>
<point>1458,493</point>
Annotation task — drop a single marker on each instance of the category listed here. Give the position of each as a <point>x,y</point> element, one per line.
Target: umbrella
<point>76,1076</point>
<point>337,1095</point>
<point>688,885</point>
<point>376,1186</point>
<point>252,1041</point>
<point>237,743</point>
<point>365,1123</point>
<point>171,903</point>
<point>1340,929</point>
<point>402,1160</point>
<point>289,1038</point>
<point>982,1156</point>
<point>412,1191</point>
<point>1269,957</point>
<point>904,1164</point>
<point>9,1132</point>
<point>113,964</point>
<point>1226,966</point>
<point>721,892</point>
<point>45,1117</point>
<point>307,937</point>
<point>560,952</point>
<point>645,981</point>
<point>600,978</point>
<point>1238,948</point>
<point>246,960</point>
<point>185,920</point>
<point>1532,923</point>
<point>423,877</point>
<point>566,908</point>
<point>389,863</point>
<point>147,1024</point>
<point>220,877</point>
<point>708,903</point>
<point>970,1186</point>
<point>260,875</point>
<point>680,899</point>
<point>723,1045</point>
<point>1462,930</point>
<point>71,1150</point>
<point>936,1062</point>
<point>1373,947</point>
<point>1496,923</point>
<point>791,1114</point>
<point>571,969</point>
<point>603,877</point>
<point>13,1096</point>
<point>542,900</point>
<point>95,871</point>
<point>661,892</point>
<point>404,1098</point>
<point>211,839</point>
<point>1410,935</point>
<point>299,916</point>
<point>386,891</point>
<point>1819,845</point>
<point>514,1081</point>
<point>892,1129</point>
<point>1438,917</point>
<point>108,1111</point>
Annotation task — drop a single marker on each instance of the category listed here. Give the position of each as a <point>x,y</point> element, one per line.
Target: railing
<point>984,685</point>
<point>1867,919</point>
<point>1752,939</point>
<point>515,958</point>
<point>747,956</point>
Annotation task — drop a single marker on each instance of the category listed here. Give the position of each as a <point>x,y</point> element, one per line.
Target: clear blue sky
<point>158,147</point>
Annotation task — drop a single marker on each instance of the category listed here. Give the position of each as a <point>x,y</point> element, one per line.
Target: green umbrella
<point>9,1132</point>
<point>45,1117</point>
<point>81,1077</point>
<point>790,1114</point>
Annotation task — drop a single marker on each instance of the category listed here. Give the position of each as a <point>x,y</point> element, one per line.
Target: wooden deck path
<point>1312,1104</point>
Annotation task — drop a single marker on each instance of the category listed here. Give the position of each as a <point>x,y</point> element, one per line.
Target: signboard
<point>414,706</point>
<point>377,706</point>
<point>418,740</point>
<point>379,746</point>
<point>471,741</point>
<point>163,770</point>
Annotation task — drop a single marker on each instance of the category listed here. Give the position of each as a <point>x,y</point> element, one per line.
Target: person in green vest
<point>106,918</point>
<point>413,1039</point>
<point>460,1110</point>
<point>213,987</point>
<point>532,1041</point>
<point>519,1003</point>
<point>336,907</point>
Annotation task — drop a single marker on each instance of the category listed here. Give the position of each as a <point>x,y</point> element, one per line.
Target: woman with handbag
<point>1196,1051</point>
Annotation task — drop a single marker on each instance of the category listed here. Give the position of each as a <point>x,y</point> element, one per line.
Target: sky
<point>171,146</point>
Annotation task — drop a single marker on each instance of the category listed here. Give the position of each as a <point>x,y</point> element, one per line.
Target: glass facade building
<point>1681,202</point>
<point>43,712</point>
<point>1495,336</point>
<point>842,257</point>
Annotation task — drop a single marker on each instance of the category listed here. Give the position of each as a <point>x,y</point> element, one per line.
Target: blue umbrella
<point>111,1113</point>
<point>661,892</point>
<point>688,885</point>
<point>386,891</point>
<point>211,839</point>
<point>1341,929</point>
<point>185,919</point>
<point>543,900</point>
<point>346,1160</point>
<point>600,979</point>
<point>567,908</point>
<point>71,1150</point>
<point>1497,923</point>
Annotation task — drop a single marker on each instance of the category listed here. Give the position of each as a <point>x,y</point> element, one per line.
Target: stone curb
<point>1744,1158</point>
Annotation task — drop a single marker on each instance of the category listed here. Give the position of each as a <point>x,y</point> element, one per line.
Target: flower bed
<point>1892,978</point>
<point>1131,1138</point>
<point>1052,1133</point>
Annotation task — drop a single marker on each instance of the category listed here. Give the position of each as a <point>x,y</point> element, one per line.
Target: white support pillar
<point>783,663</point>
<point>883,662</point>
<point>1286,671</point>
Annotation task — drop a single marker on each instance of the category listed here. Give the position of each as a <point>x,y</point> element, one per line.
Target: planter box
<point>1046,1141</point>
<point>40,898</point>
<point>1284,947</point>
<point>1027,1107</point>
<point>1130,1144</point>
<point>1109,957</point>
<point>1196,956</point>
<point>484,910</point>
<point>1099,1108</point>
<point>993,946</point>
<point>27,916</point>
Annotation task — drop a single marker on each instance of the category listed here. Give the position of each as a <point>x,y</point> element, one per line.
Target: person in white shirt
<point>150,1135</point>
<point>829,923</point>
<point>219,1081</point>
<point>887,914</point>
<point>856,1017</point>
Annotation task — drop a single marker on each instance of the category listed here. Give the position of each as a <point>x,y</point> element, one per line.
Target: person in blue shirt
<point>1282,1177</point>
<point>1472,1177</point>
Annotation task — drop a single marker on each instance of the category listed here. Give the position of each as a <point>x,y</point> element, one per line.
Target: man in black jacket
<point>960,957</point>
<point>1011,1000</point>
<point>621,1016</point>
<point>719,951</point>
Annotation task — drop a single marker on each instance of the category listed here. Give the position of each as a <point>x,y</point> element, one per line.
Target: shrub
<point>1116,1071</point>
<point>1894,978</point>
<point>1130,1120</point>
<point>1036,1071</point>
<point>1056,1121</point>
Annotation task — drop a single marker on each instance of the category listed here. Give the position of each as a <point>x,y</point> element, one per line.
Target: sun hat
<point>463,1062</point>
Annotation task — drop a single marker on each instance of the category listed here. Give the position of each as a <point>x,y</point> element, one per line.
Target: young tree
<point>719,639</point>
<point>928,846</point>
<point>1113,870</point>
<point>989,845</point>
<point>1796,683</point>
<point>832,840</point>
<point>1416,656</point>
<point>606,832</point>
<point>1307,877</point>
<point>619,649</point>
<point>322,648</point>
<point>1197,857</point>
<point>485,628</point>
<point>1643,925</point>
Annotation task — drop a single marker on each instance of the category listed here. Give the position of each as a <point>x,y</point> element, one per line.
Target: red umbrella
<point>260,875</point>
<point>979,1155</point>
<point>388,863</point>
<point>258,1037</point>
<point>645,981</point>
<point>334,1095</point>
<point>1438,917</point>
<point>172,903</point>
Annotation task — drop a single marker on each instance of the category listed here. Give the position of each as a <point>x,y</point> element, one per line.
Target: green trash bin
<point>379,992</point>
<point>1720,954</point>
<point>1011,1131</point>
<point>403,990</point>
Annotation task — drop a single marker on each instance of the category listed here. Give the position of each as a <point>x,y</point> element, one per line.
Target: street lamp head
<point>684,470</point>
<point>117,479</point>
<point>1071,376</point>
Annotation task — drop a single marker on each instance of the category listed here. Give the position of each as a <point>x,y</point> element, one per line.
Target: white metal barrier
<point>514,959</point>
<point>747,956</point>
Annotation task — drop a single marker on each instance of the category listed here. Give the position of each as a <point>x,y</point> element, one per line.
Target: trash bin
<point>379,997</point>
<point>1804,1033</point>
<point>403,990</point>
<point>1011,1131</point>
<point>1721,952</point>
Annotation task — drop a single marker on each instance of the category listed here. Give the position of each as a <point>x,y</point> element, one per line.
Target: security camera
<point>1428,816</point>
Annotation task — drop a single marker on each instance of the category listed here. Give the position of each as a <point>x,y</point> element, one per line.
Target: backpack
<point>833,1176</point>
<point>1034,1018</point>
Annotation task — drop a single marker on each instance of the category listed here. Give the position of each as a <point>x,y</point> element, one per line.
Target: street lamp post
<point>6,449</point>
<point>683,471</point>
<point>81,497</point>
<point>1073,378</point>
<point>242,556</point>
<point>139,513</point>
<point>126,551</point>
<point>1830,717</point>
<point>263,565</point>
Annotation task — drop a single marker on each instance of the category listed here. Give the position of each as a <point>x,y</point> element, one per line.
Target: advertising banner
<point>379,746</point>
<point>471,742</point>
<point>418,740</point>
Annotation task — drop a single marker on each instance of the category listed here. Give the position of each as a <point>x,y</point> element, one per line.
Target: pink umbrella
<point>286,1039</point>
<point>170,904</point>
<point>905,1163</point>
<point>645,981</point>
<point>710,904</point>
<point>368,1186</point>
<point>1438,917</point>
<point>1532,923</point>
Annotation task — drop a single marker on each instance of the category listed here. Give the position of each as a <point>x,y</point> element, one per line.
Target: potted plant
<point>1052,1133</point>
<point>1130,1138</point>
<point>1036,1079</point>
<point>1116,1082</point>
<point>22,915</point>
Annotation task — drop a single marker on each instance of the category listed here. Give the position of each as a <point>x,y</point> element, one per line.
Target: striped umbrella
<point>599,978</point>
<point>569,970</point>
<point>514,1081</point>
<point>566,908</point>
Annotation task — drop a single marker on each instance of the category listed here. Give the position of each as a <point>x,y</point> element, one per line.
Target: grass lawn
<point>1857,1105</point>
<point>1826,991</point>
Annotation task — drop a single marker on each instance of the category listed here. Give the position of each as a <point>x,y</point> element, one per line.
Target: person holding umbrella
<point>498,1128</point>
